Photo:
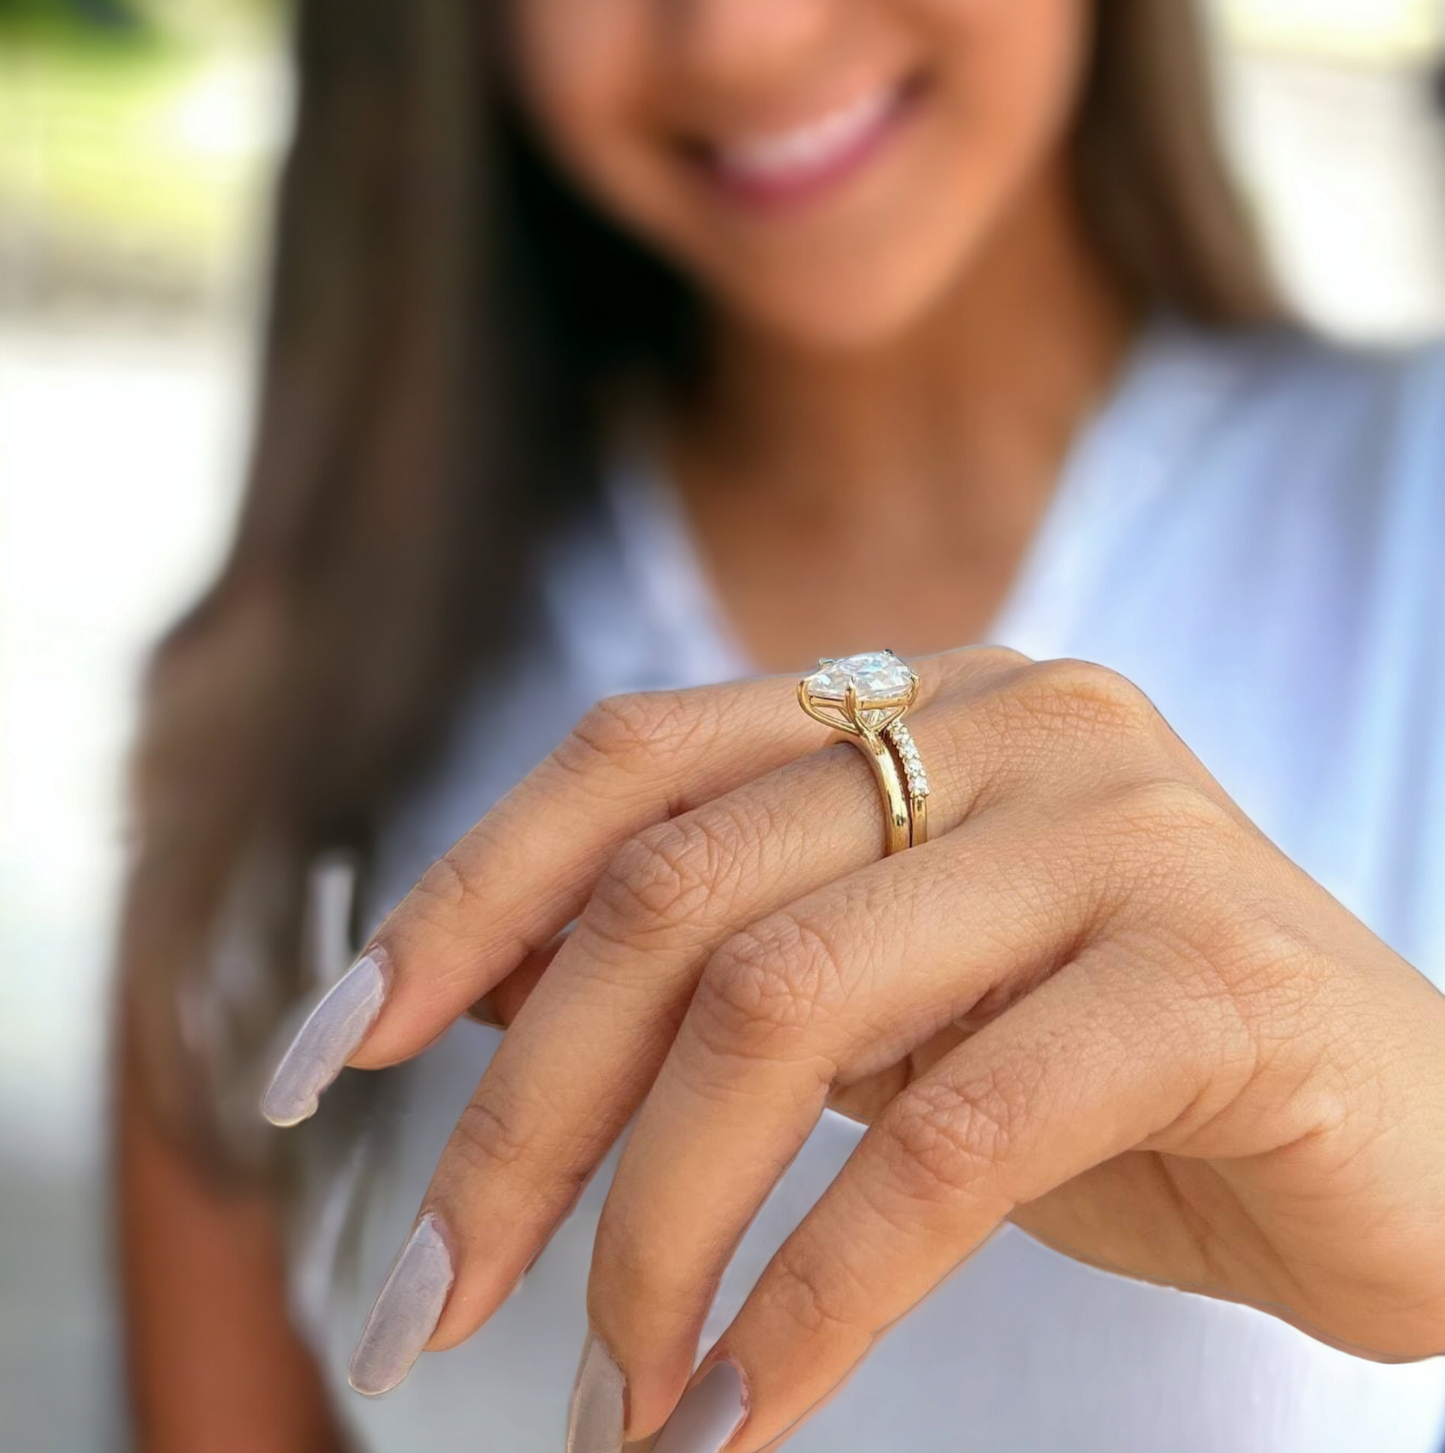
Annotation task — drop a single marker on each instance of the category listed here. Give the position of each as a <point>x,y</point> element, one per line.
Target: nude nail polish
<point>708,1415</point>
<point>406,1311</point>
<point>328,1038</point>
<point>596,1418</point>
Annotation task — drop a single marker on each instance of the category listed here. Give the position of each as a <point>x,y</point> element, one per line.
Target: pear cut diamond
<point>877,676</point>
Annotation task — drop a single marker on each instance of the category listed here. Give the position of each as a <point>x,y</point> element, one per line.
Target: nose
<point>744,40</point>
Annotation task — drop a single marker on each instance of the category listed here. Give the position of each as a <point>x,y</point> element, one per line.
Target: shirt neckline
<point>1109,453</point>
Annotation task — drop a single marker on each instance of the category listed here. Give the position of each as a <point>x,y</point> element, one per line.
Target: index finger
<point>522,873</point>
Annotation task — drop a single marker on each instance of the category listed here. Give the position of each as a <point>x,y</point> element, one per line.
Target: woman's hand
<point>1098,1003</point>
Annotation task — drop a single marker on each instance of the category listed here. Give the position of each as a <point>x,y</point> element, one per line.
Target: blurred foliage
<point>96,22</point>
<point>134,135</point>
<point>77,19</point>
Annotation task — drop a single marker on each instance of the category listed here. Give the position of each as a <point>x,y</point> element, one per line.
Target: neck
<point>928,461</point>
<point>980,397</point>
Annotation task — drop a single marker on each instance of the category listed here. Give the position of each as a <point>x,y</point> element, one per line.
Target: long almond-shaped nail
<point>708,1415</point>
<point>328,1038</point>
<point>406,1311</point>
<point>594,1424</point>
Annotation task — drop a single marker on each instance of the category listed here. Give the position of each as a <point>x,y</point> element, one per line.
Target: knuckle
<point>1277,981</point>
<point>1278,971</point>
<point>1003,657</point>
<point>1085,697</point>
<point>664,877</point>
<point>765,984</point>
<point>1166,837</point>
<point>629,730</point>
<point>488,1138</point>
<point>949,1139</point>
<point>1170,809</point>
<point>796,1289</point>
<point>997,664</point>
<point>445,889</point>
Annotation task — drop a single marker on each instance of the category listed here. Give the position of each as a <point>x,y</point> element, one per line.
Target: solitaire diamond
<point>877,676</point>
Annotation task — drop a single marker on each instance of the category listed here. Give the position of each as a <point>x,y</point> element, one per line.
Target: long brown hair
<point>446,319</point>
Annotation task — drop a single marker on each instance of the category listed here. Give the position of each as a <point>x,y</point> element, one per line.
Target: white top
<point>1253,530</point>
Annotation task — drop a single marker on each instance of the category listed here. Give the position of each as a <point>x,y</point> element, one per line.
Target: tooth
<point>808,145</point>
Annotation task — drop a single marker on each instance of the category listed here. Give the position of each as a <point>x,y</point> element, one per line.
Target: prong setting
<point>864,697</point>
<point>863,694</point>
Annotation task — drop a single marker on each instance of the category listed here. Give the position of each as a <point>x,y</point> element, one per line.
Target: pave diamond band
<point>915,778</point>
<point>912,763</point>
<point>865,697</point>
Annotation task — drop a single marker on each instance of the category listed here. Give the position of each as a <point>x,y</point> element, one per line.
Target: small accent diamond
<point>913,772</point>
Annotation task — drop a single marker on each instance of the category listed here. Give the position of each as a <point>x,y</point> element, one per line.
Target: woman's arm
<point>214,1364</point>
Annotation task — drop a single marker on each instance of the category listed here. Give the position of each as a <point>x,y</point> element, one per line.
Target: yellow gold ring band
<point>864,697</point>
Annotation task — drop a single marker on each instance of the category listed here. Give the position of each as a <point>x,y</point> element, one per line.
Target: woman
<point>626,348</point>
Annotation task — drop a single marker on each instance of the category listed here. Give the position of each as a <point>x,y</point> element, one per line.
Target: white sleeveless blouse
<point>1253,530</point>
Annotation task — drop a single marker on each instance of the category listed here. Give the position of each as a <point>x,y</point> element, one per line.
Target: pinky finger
<point>1032,1100</point>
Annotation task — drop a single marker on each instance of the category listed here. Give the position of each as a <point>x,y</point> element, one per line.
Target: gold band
<point>864,697</point>
<point>915,778</point>
<point>897,820</point>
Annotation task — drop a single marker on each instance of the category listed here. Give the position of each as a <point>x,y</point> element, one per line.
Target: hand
<point>1099,1003</point>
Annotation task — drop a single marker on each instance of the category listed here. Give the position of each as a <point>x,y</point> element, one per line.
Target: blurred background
<point>138,142</point>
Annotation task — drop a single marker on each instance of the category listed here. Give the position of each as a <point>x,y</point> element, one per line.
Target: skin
<point>213,1364</point>
<point>616,85</point>
<point>1099,1003</point>
<point>1183,1059</point>
<point>922,426</point>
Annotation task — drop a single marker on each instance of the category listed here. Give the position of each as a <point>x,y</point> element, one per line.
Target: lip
<point>787,167</point>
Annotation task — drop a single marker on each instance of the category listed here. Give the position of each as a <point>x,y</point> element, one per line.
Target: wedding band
<point>865,697</point>
<point>897,825</point>
<point>915,777</point>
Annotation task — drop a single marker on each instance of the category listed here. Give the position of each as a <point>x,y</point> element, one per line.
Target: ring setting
<point>865,697</point>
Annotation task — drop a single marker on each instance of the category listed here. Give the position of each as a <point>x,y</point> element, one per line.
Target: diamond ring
<point>865,697</point>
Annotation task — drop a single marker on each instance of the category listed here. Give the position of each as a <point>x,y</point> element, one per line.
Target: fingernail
<point>708,1415</point>
<point>595,1422</point>
<point>326,1041</point>
<point>406,1311</point>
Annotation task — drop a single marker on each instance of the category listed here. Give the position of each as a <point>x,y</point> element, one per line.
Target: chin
<point>852,309</point>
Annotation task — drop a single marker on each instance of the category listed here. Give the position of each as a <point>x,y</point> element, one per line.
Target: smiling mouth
<point>788,166</point>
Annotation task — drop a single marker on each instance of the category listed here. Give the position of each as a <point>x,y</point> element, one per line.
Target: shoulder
<point>1282,431</point>
<point>1284,598</point>
<point>1295,396</point>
